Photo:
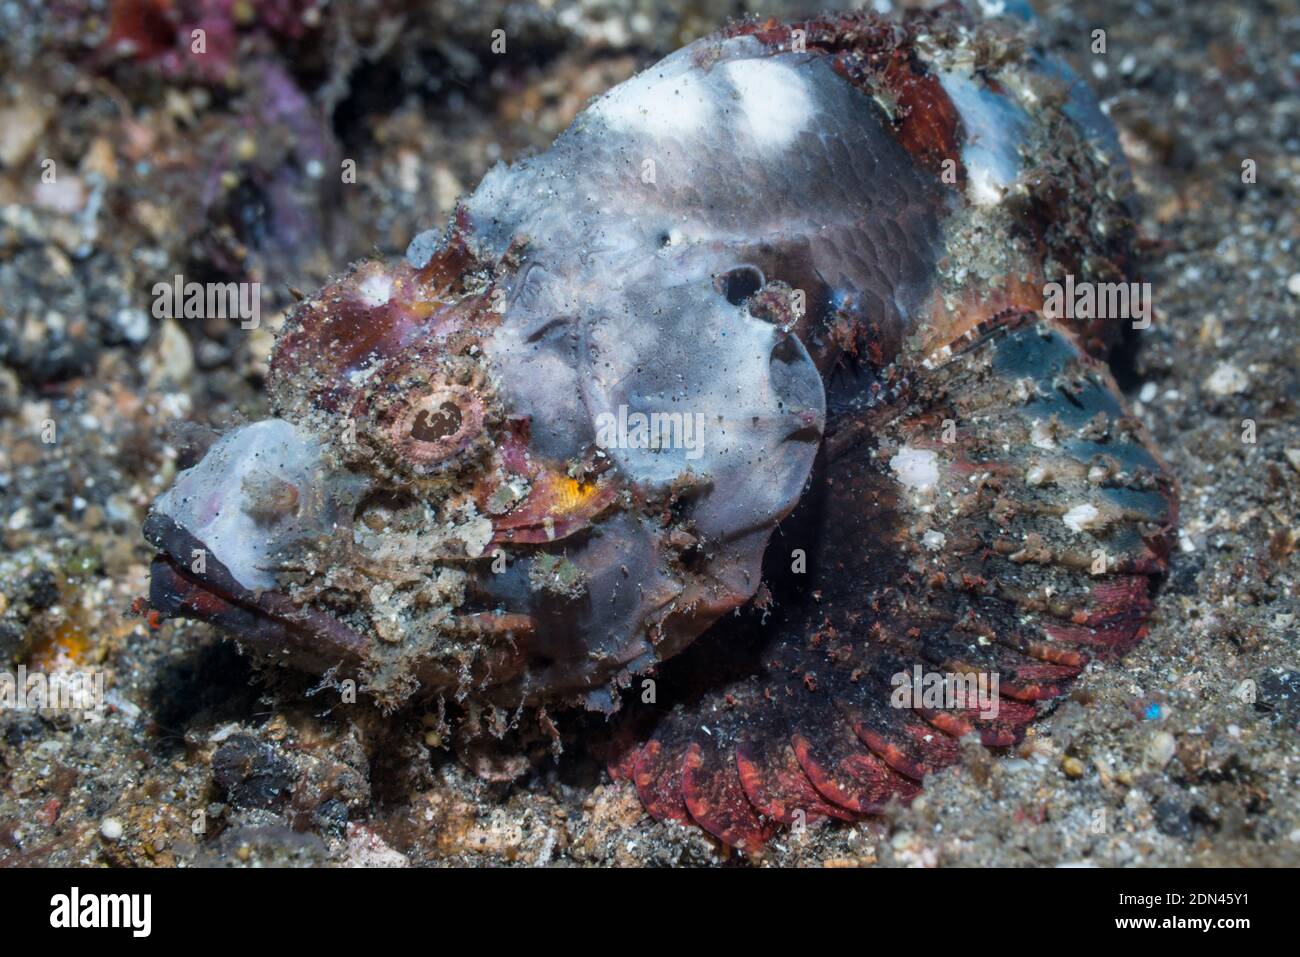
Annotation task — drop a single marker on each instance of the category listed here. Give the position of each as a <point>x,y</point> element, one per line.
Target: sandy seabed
<point>1185,752</point>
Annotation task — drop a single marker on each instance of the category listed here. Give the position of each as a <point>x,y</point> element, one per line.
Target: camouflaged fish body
<point>792,276</point>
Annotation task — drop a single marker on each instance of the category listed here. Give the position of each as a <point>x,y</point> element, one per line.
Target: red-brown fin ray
<point>861,677</point>
<point>844,772</point>
<point>777,785</point>
<point>1020,676</point>
<point>657,775</point>
<point>840,766</point>
<point>997,730</point>
<point>715,796</point>
<point>1114,621</point>
<point>897,736</point>
<point>622,753</point>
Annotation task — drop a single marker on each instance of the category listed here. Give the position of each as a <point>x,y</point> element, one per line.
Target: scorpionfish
<point>753,369</point>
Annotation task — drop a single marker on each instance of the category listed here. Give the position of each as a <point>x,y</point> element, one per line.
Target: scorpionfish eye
<point>425,429</point>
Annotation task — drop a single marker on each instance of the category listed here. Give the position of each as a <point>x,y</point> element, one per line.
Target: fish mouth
<point>258,493</point>
<point>264,507</point>
<point>268,621</point>
<point>286,632</point>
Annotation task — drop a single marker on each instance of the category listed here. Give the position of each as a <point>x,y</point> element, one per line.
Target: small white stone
<point>1149,392</point>
<point>1227,379</point>
<point>223,732</point>
<point>175,355</point>
<point>1082,517</point>
<point>368,849</point>
<point>111,829</point>
<point>133,324</point>
<point>1161,748</point>
<point>982,187</point>
<point>476,535</point>
<point>1293,456</point>
<point>916,468</point>
<point>933,540</point>
<point>1293,284</point>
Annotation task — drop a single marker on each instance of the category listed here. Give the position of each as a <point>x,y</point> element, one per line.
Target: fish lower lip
<point>267,619</point>
<point>176,593</point>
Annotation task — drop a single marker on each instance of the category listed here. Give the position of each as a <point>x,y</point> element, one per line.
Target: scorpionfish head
<point>464,492</point>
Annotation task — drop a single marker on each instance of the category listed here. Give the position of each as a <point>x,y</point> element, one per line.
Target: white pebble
<point>1161,748</point>
<point>1082,517</point>
<point>1227,379</point>
<point>916,468</point>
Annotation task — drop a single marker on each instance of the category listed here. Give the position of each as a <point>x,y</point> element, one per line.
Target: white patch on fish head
<point>774,100</point>
<point>376,289</point>
<point>661,104</point>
